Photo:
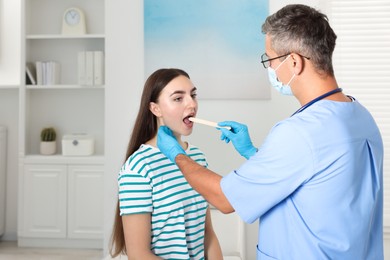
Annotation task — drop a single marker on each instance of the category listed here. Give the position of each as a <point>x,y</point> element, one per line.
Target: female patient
<point>159,215</point>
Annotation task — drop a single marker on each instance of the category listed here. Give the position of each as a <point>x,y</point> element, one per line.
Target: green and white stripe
<point>150,182</point>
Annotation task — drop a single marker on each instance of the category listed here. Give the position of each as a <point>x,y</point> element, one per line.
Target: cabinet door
<point>44,201</point>
<point>85,195</point>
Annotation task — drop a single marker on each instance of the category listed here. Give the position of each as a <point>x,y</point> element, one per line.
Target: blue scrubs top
<point>316,186</point>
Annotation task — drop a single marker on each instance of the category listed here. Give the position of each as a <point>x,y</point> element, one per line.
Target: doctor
<point>315,183</point>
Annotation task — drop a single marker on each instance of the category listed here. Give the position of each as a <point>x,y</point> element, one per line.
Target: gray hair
<point>303,30</point>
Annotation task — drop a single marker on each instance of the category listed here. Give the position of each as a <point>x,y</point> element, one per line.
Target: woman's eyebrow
<point>182,91</point>
<point>178,92</point>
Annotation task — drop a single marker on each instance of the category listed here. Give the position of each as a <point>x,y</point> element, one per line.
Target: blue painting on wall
<point>218,42</point>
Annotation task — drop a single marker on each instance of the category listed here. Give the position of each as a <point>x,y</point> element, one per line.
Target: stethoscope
<point>318,99</point>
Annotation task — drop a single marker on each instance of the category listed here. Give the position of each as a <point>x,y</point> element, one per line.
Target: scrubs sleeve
<point>283,163</point>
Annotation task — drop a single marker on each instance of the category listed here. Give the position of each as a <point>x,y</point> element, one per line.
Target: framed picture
<point>219,43</point>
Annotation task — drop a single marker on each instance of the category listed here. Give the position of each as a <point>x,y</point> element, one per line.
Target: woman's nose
<point>192,103</point>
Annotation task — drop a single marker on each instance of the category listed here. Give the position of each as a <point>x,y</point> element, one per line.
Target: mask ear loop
<point>288,83</point>
<point>283,62</point>
<point>281,65</point>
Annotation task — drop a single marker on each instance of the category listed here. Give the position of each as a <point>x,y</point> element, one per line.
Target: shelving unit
<point>67,106</point>
<point>60,182</point>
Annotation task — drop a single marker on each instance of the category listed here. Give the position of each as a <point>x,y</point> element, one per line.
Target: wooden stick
<point>206,122</point>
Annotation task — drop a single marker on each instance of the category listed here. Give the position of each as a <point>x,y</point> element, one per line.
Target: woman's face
<point>176,103</point>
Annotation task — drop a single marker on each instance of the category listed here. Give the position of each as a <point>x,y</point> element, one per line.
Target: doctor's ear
<point>298,63</point>
<point>155,109</point>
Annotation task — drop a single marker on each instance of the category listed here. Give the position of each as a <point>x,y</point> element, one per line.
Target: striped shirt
<point>150,183</point>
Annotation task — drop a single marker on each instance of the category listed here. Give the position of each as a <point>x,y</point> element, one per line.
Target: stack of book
<point>90,68</point>
<point>43,73</point>
<point>47,72</point>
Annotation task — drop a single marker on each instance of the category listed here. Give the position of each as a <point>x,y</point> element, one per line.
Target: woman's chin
<point>187,132</point>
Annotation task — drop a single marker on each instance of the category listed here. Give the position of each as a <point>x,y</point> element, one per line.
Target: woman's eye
<point>177,99</point>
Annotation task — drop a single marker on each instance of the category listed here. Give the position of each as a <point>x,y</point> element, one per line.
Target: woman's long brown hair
<point>145,128</point>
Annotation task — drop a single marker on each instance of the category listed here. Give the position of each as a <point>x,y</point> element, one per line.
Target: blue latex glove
<point>168,144</point>
<point>239,136</point>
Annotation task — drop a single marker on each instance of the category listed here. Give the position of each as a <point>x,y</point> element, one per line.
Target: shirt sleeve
<point>281,165</point>
<point>135,193</point>
<point>197,155</point>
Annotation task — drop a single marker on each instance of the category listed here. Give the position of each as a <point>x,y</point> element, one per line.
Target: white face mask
<point>284,89</point>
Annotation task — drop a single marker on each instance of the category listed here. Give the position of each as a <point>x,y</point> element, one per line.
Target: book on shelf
<point>81,68</point>
<point>98,68</point>
<point>47,72</point>
<point>30,74</point>
<point>90,68</point>
<point>38,68</point>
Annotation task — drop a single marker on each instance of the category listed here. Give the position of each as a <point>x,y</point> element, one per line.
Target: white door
<point>44,201</point>
<point>85,195</point>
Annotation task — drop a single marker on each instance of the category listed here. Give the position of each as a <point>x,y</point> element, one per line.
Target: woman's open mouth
<point>187,121</point>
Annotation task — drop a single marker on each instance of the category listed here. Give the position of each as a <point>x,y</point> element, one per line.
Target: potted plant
<point>48,141</point>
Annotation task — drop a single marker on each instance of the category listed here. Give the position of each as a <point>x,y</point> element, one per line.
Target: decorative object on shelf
<point>73,22</point>
<point>79,144</point>
<point>48,141</point>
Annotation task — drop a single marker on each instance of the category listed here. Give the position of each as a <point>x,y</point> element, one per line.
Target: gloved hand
<point>239,136</point>
<point>168,144</point>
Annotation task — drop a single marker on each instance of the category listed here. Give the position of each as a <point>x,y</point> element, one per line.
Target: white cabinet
<point>85,201</point>
<point>45,201</point>
<point>62,205</point>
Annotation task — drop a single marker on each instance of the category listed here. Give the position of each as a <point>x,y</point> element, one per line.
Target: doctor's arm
<point>204,181</point>
<point>201,179</point>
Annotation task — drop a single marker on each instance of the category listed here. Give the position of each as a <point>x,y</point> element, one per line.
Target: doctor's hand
<point>168,144</point>
<point>239,136</point>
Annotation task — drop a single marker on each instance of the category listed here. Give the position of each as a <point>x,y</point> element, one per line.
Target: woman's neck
<point>153,142</point>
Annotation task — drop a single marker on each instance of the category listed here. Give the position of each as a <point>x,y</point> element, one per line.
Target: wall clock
<point>73,21</point>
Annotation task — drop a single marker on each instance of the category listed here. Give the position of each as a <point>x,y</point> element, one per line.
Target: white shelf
<point>9,86</point>
<point>64,87</point>
<point>62,37</point>
<point>60,159</point>
<point>67,106</point>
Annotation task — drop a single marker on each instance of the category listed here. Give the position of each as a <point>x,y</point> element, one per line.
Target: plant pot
<point>48,148</point>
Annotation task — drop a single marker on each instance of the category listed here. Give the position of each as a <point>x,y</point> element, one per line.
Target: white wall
<point>9,118</point>
<point>125,79</point>
<point>10,32</point>
<point>10,62</point>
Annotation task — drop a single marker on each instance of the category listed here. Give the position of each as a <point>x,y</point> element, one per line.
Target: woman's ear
<point>155,109</point>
